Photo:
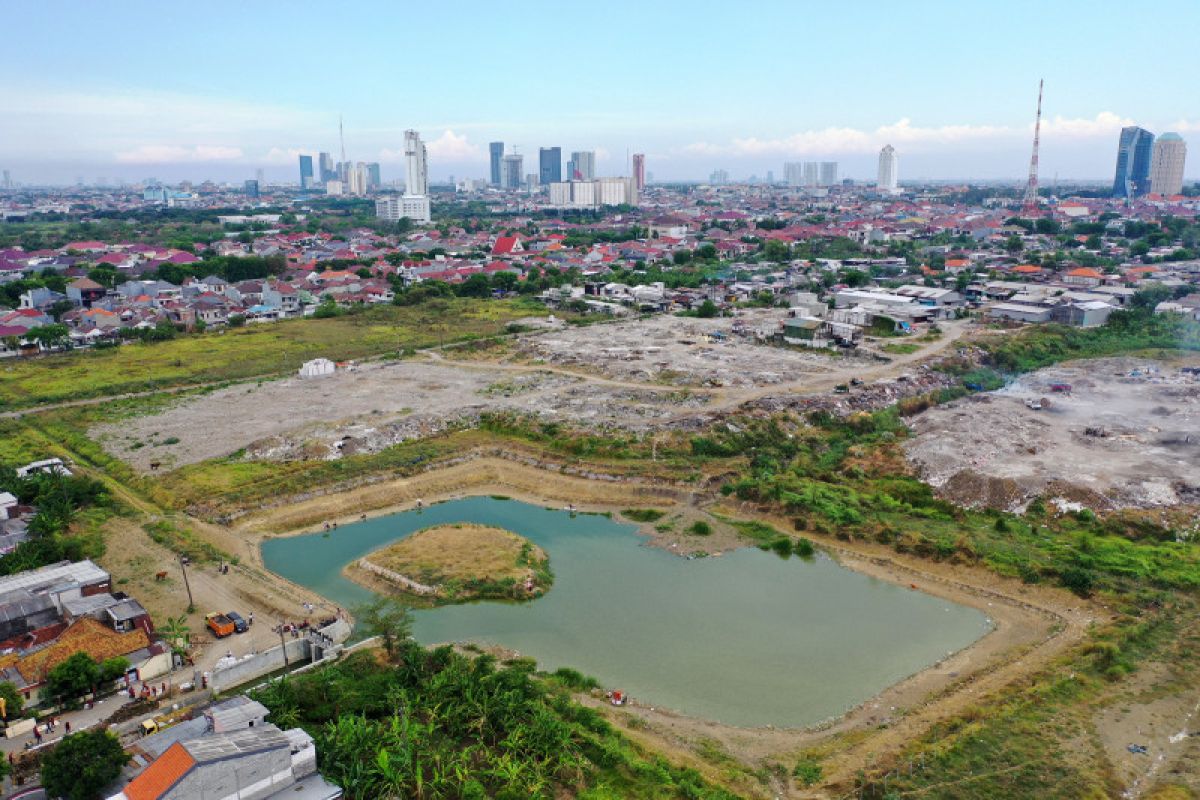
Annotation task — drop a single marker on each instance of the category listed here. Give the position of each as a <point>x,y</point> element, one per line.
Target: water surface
<point>746,638</point>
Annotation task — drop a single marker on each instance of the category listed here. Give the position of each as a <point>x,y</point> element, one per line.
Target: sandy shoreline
<point>1030,624</point>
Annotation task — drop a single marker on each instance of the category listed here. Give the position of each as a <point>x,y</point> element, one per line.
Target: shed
<point>317,368</point>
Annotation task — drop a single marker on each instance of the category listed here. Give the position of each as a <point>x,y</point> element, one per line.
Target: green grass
<point>643,514</point>
<point>256,350</point>
<point>901,348</point>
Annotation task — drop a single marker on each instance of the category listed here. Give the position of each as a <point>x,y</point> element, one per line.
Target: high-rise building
<point>306,172</point>
<point>325,167</point>
<point>585,165</point>
<point>1166,164</point>
<point>550,165</point>
<point>718,177</point>
<point>1133,162</point>
<point>260,176</point>
<point>594,194</point>
<point>357,185</point>
<point>393,208</point>
<point>374,176</point>
<point>571,169</point>
<point>639,171</point>
<point>416,176</point>
<point>7,180</point>
<point>793,173</point>
<point>251,188</point>
<point>888,176</point>
<point>496,150</point>
<point>812,174</point>
<point>829,173</point>
<point>770,177</point>
<point>511,171</point>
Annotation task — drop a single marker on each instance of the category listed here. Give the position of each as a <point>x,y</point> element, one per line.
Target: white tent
<point>317,368</point>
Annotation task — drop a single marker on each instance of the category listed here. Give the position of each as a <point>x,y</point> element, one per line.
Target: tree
<point>776,250</point>
<point>113,668</point>
<point>13,701</point>
<point>50,335</point>
<point>707,310</point>
<point>73,678</point>
<point>706,251</point>
<point>389,619</point>
<point>1013,244</point>
<point>855,277</point>
<point>176,633</point>
<point>83,765</point>
<point>681,257</point>
<point>1139,248</point>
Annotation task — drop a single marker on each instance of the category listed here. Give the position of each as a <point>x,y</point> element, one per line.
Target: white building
<point>511,168</point>
<point>417,173</point>
<point>357,184</point>
<point>888,176</point>
<point>1166,164</point>
<point>317,368</point>
<point>395,208</point>
<point>594,194</point>
<point>829,173</point>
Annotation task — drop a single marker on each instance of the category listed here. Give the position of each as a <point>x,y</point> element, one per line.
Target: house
<point>1015,312</point>
<point>1087,314</point>
<point>232,753</point>
<point>84,291</point>
<point>1083,276</point>
<point>507,245</point>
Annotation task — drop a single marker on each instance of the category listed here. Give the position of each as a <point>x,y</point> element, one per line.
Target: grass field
<point>256,350</point>
<point>450,556</point>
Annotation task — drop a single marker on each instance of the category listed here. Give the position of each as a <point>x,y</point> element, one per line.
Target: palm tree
<point>176,631</point>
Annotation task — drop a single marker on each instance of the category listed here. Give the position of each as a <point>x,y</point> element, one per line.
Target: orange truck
<point>220,625</point>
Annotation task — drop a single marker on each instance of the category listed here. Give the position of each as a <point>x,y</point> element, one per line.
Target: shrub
<point>643,514</point>
<point>803,548</point>
<point>699,528</point>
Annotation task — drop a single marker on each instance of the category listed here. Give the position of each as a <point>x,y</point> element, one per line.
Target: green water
<point>745,639</point>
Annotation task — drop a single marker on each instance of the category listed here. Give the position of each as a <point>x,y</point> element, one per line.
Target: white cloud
<point>1184,126</point>
<point>284,155</point>
<point>904,135</point>
<point>171,154</point>
<point>450,147</point>
<point>1105,123</point>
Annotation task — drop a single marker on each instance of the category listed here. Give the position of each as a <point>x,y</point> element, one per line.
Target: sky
<point>216,90</point>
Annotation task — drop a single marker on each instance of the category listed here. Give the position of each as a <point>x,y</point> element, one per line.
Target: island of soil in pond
<point>457,563</point>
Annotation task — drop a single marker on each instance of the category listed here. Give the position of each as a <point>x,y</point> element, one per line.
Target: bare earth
<point>1142,449</point>
<point>637,375</point>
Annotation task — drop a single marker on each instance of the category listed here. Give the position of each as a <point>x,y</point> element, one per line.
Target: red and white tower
<point>1030,203</point>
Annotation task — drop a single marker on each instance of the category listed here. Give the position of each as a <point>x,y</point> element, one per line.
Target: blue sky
<point>219,89</point>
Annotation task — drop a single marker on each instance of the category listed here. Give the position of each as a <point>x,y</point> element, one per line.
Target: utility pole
<point>183,569</point>
<point>283,644</point>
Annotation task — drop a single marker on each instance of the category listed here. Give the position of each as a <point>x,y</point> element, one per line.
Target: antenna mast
<point>1030,203</point>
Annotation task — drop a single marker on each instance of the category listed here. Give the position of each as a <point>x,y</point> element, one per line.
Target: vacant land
<point>683,351</point>
<point>256,350</point>
<point>460,562</point>
<point>1126,434</point>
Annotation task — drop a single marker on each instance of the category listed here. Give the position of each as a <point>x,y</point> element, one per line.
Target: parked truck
<point>220,625</point>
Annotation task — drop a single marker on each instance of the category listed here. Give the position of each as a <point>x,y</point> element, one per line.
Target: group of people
<point>43,729</point>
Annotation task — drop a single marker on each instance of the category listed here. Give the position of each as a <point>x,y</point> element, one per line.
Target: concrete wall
<point>299,651</point>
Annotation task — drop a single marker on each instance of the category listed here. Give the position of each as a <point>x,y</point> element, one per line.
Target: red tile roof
<point>163,773</point>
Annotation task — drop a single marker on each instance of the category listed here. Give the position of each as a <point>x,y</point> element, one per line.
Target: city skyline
<point>76,114</point>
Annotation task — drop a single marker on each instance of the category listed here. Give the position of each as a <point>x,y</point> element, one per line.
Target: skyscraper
<point>357,185</point>
<point>7,180</point>
<point>793,173</point>
<point>496,149</point>
<point>250,188</point>
<point>374,177</point>
<point>639,171</point>
<point>1166,164</point>
<point>888,176</point>
<point>812,174</point>
<point>260,176</point>
<point>549,165</point>
<point>511,171</point>
<point>1133,162</point>
<point>585,165</point>
<point>829,173</point>
<point>306,172</point>
<point>325,167</point>
<point>416,182</point>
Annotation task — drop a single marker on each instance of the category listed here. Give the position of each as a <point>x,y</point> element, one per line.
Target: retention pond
<point>745,639</point>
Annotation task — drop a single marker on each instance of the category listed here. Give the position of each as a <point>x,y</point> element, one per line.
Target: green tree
<point>707,310</point>
<point>176,633</point>
<point>50,335</point>
<point>389,619</point>
<point>73,678</point>
<point>13,700</point>
<point>83,765</point>
<point>1013,244</point>
<point>112,669</point>
<point>776,250</point>
<point>681,257</point>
